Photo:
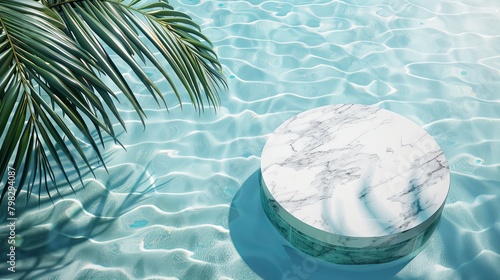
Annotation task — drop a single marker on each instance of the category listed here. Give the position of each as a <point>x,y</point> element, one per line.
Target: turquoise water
<point>182,202</point>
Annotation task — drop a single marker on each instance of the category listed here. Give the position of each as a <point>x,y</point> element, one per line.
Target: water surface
<point>182,201</point>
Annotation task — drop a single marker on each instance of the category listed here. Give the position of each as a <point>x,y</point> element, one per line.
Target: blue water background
<point>182,201</point>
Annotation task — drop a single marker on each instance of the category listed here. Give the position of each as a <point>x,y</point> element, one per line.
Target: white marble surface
<point>355,171</point>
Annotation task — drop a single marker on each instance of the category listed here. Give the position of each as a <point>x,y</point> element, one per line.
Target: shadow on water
<point>272,257</point>
<point>44,240</point>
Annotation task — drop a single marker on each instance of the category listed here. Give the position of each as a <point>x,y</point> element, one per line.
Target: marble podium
<point>353,184</point>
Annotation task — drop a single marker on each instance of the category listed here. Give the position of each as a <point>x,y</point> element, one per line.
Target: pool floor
<point>182,202</point>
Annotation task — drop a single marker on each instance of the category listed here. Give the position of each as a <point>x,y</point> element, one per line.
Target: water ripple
<point>161,210</point>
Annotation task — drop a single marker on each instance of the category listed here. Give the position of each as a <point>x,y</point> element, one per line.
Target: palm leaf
<point>52,53</point>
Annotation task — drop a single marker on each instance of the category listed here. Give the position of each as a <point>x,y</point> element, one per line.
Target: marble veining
<point>353,184</point>
<point>355,171</point>
<point>367,251</point>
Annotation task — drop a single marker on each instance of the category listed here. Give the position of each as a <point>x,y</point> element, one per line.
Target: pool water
<point>182,202</point>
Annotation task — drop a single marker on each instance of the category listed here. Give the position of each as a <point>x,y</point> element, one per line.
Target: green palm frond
<point>52,53</point>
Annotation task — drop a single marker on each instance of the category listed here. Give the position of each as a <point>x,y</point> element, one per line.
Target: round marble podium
<point>353,184</point>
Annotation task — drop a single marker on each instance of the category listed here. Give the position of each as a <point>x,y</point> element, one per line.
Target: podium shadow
<point>268,254</point>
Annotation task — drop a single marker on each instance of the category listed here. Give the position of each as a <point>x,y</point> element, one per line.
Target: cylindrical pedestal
<point>353,184</point>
